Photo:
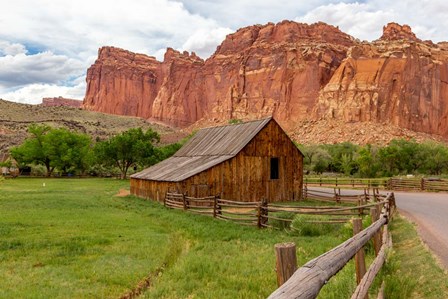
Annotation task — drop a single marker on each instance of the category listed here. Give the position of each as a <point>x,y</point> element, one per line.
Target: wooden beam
<point>360,261</point>
<point>309,279</point>
<point>286,261</point>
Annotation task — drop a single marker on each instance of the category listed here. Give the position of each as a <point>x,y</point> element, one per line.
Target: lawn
<point>74,238</point>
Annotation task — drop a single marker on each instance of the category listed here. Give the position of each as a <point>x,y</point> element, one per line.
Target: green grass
<point>74,238</point>
<point>411,270</point>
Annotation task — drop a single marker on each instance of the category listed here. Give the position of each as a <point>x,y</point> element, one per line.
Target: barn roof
<point>207,148</point>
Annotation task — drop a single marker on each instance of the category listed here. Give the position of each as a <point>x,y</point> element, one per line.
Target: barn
<point>244,162</point>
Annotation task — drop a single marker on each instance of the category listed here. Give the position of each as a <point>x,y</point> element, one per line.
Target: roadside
<point>411,270</point>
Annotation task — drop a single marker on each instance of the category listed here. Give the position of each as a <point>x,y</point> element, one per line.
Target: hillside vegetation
<point>15,119</point>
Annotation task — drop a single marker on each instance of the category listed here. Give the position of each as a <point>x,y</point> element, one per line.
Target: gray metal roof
<point>207,148</point>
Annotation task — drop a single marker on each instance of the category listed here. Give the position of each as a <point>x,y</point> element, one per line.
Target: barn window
<point>274,169</point>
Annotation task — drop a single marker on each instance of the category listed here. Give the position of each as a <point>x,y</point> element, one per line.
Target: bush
<point>281,224</point>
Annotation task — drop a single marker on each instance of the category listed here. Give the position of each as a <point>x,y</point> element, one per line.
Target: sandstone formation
<point>295,72</point>
<point>257,71</point>
<point>60,101</point>
<point>397,79</point>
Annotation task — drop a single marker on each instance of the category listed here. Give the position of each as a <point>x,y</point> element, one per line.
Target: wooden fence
<point>307,281</point>
<point>405,184</point>
<point>263,214</point>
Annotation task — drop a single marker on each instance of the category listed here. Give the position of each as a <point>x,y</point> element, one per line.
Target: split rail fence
<point>404,184</point>
<point>307,281</point>
<point>263,214</point>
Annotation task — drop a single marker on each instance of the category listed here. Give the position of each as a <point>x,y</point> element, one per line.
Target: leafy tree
<point>337,151</point>
<point>128,149</point>
<point>368,161</point>
<point>32,150</point>
<point>436,158</point>
<point>53,148</point>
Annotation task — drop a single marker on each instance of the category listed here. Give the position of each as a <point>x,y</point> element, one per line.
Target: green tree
<point>367,161</point>
<point>32,150</point>
<point>53,148</point>
<point>435,160</point>
<point>128,149</point>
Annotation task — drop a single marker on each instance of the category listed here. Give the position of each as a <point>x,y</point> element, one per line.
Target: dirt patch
<point>123,193</point>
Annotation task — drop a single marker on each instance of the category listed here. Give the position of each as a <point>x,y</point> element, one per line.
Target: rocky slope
<point>60,101</point>
<point>296,72</point>
<point>15,119</point>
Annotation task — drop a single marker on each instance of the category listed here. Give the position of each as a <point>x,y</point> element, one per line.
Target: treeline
<point>400,157</point>
<point>61,151</point>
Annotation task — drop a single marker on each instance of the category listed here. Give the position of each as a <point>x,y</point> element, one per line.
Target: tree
<point>127,149</point>
<point>367,161</point>
<point>53,148</point>
<point>32,150</point>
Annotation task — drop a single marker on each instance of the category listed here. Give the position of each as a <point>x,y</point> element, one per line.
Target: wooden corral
<point>243,162</point>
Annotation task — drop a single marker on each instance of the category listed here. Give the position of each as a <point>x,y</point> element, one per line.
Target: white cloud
<point>33,93</point>
<point>44,67</point>
<point>49,42</point>
<point>204,42</point>
<point>365,20</point>
<point>357,19</point>
<point>7,48</point>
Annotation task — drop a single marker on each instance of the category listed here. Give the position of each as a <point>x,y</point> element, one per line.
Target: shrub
<point>281,224</point>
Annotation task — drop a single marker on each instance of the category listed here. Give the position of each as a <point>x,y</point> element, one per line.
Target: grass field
<point>75,239</point>
<point>72,238</point>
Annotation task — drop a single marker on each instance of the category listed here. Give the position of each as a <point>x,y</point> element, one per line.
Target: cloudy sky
<point>46,46</point>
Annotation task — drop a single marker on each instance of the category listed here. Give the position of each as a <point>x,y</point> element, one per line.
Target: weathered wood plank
<point>309,279</point>
<point>363,287</point>
<point>286,261</point>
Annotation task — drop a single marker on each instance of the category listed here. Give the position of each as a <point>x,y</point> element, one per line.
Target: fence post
<point>262,213</point>
<point>360,203</point>
<point>360,262</point>
<point>320,181</point>
<point>376,237</point>
<point>215,203</point>
<point>305,192</point>
<point>286,261</point>
<point>184,201</point>
<point>422,184</point>
<point>164,199</point>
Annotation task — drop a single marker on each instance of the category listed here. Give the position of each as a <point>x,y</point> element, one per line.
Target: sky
<point>46,46</point>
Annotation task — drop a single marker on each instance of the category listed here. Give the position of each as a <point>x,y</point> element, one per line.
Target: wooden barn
<point>244,162</point>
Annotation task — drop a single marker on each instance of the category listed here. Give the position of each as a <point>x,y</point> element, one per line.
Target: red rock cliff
<point>290,70</point>
<point>397,79</point>
<point>60,101</point>
<point>274,69</point>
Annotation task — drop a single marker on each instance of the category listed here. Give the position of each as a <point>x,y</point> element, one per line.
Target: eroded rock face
<point>275,69</point>
<point>397,79</point>
<point>292,71</point>
<point>60,101</point>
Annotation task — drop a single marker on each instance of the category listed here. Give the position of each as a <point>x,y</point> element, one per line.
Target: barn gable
<point>207,148</point>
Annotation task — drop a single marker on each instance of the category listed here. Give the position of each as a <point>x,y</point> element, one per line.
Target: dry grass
<point>17,117</point>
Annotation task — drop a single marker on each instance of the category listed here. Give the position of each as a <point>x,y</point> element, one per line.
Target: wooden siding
<point>246,177</point>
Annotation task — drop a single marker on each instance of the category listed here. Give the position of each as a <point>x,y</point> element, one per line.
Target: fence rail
<point>262,213</point>
<point>307,281</point>
<point>405,184</point>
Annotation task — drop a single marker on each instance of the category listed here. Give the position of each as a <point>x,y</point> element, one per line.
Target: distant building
<point>243,162</point>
